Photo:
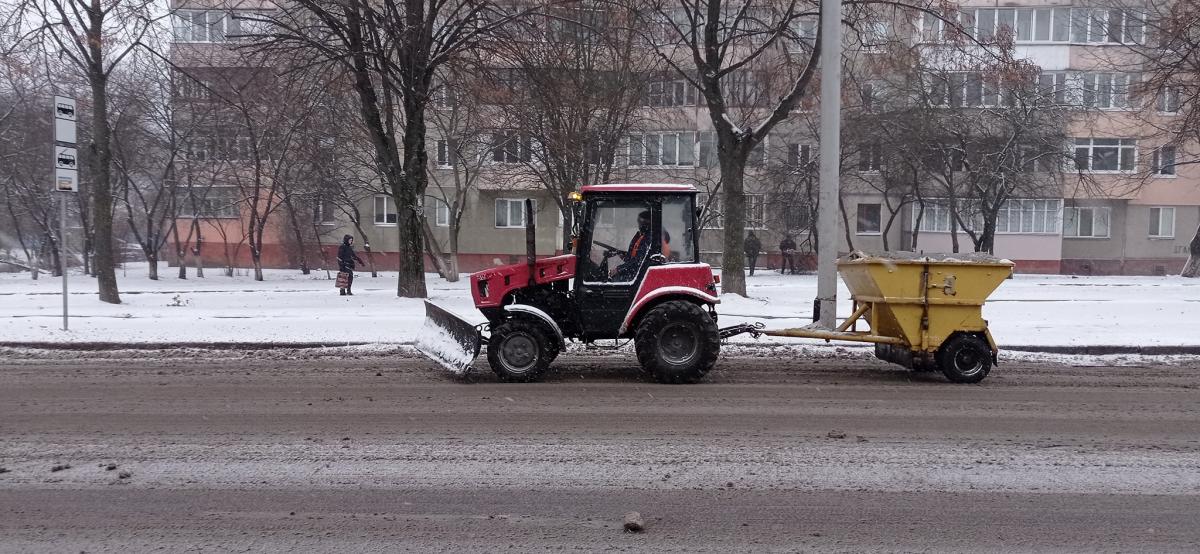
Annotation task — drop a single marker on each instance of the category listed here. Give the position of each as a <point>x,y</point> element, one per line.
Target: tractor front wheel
<point>677,342</point>
<point>520,350</point>
<point>965,359</point>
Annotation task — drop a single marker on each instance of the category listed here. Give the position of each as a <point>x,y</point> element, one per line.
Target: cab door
<point>608,278</point>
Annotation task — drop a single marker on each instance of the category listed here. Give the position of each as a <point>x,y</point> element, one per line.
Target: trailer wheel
<point>519,350</point>
<point>677,342</point>
<point>965,359</point>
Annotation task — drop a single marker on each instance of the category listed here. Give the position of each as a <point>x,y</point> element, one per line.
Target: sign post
<point>66,177</point>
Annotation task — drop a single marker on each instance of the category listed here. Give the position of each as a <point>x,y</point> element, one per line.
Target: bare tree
<point>1170,88</point>
<point>95,39</point>
<point>459,149</point>
<point>572,82</point>
<point>391,51</point>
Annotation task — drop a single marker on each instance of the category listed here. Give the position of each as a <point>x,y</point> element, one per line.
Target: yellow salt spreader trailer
<point>924,311</point>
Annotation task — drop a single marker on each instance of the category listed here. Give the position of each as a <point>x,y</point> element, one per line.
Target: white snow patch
<point>1033,310</point>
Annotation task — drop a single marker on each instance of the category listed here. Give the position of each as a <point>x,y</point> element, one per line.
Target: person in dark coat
<point>753,246</point>
<point>787,247</point>
<point>346,259</point>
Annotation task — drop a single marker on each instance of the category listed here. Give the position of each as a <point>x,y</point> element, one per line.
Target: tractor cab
<point>627,234</point>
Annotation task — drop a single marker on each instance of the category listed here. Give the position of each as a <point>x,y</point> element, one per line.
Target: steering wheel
<point>609,249</point>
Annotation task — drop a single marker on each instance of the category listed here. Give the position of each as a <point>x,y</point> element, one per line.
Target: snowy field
<point>1029,310</point>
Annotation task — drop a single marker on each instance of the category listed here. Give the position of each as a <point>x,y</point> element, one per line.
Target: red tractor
<point>634,273</point>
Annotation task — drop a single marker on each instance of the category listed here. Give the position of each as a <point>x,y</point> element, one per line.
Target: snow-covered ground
<point>1029,310</point>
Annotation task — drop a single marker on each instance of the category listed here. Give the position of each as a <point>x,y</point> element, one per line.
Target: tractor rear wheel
<point>677,342</point>
<point>520,350</point>
<point>965,359</point>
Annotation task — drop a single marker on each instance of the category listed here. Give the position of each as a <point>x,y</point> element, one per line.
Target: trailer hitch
<point>755,330</point>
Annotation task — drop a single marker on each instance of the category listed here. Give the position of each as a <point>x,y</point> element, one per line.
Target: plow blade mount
<point>448,340</point>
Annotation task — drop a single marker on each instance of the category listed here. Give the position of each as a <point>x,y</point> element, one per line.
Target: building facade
<point>1124,205</point>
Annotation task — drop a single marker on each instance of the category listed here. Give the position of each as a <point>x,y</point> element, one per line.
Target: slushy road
<point>352,451</point>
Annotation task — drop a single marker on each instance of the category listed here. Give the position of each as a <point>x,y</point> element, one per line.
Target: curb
<point>1084,350</point>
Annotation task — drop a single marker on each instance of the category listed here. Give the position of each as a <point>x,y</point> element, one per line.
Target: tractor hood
<point>490,286</point>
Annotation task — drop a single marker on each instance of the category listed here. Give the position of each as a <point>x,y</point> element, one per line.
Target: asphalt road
<point>345,450</point>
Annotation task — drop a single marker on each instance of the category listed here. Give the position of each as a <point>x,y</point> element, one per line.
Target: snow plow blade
<point>449,340</point>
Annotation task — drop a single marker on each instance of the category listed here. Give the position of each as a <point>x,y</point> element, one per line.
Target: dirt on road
<point>374,449</point>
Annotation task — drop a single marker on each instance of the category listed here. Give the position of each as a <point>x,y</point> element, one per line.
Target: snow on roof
<point>640,187</point>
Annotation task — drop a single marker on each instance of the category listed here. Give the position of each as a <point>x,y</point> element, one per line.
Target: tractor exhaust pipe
<point>530,241</point>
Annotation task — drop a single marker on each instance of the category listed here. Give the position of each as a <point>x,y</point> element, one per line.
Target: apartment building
<point>1133,214</point>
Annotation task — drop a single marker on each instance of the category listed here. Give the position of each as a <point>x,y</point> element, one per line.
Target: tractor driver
<point>639,248</point>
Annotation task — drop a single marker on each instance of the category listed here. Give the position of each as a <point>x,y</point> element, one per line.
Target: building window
<point>967,90</point>
<point>756,211</point>
<point>870,219</point>
<point>443,97</point>
<point>1086,222</point>
<point>511,147</point>
<point>671,92</point>
<point>1162,223</point>
<point>215,26</point>
<point>445,155</point>
<point>805,29</point>
<point>1054,86</point>
<point>1164,161</point>
<point>1105,90</point>
<point>870,157</point>
<point>385,210</point>
<point>1027,216</point>
<point>667,149</point>
<point>1016,216</point>
<point>799,155</point>
<point>875,35</point>
<point>510,213</point>
<point>1168,100</point>
<point>1100,155</point>
<point>441,211</point>
<point>324,212</point>
<point>1023,25</point>
<point>1107,25</point>
<point>714,218</point>
<point>219,202</point>
<point>935,216</point>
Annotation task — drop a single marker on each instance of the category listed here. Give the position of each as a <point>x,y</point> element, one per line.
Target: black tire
<point>965,359</point>
<point>677,342</point>
<point>520,350</point>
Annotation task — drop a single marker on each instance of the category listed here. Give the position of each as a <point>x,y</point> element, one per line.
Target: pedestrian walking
<point>346,258</point>
<point>787,247</point>
<point>752,246</point>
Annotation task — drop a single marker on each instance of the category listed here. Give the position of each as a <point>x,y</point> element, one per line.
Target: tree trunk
<point>1192,267</point>
<point>257,258</point>
<point>846,226</point>
<point>953,227</point>
<point>298,232</point>
<point>152,259</point>
<point>733,260</point>
<point>87,256</point>
<point>56,255</point>
<point>406,191</point>
<point>454,247</point>
<point>434,251</point>
<point>101,161</point>
<point>196,250</point>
